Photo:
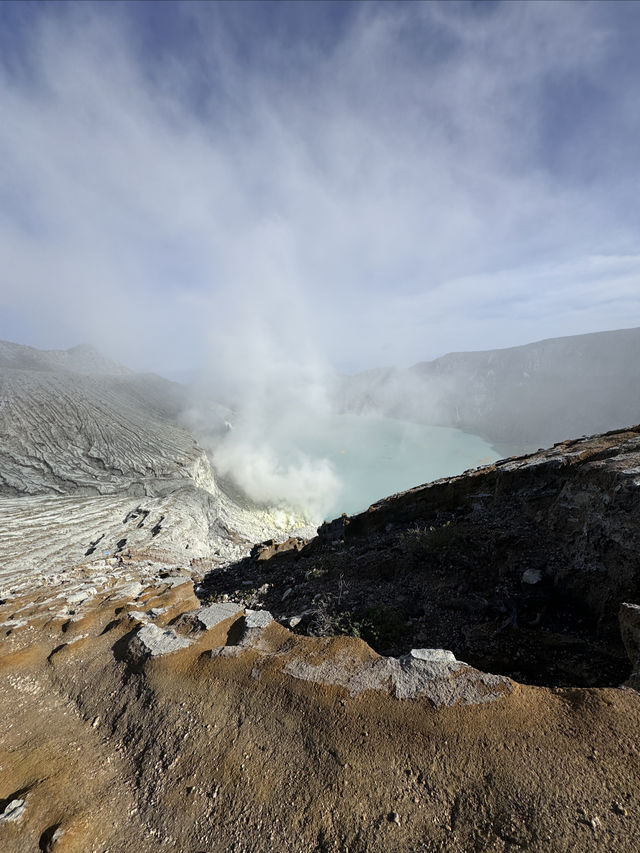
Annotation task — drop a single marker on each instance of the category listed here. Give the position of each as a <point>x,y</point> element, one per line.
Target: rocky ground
<point>137,715</point>
<point>519,568</point>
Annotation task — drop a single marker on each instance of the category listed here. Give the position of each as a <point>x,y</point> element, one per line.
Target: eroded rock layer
<point>70,433</point>
<point>94,459</point>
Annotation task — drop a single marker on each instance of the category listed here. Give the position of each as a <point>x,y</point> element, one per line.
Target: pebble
<point>532,577</point>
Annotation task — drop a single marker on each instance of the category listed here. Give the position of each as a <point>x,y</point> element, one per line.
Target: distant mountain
<point>79,359</point>
<point>519,398</point>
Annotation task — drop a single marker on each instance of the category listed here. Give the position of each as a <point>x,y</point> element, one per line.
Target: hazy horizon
<point>190,376</point>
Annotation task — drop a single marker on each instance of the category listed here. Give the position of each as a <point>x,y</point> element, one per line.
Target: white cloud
<point>353,205</point>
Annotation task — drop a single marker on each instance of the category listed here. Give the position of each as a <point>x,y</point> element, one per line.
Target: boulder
<point>265,550</point>
<point>13,812</point>
<point>255,621</point>
<point>436,655</point>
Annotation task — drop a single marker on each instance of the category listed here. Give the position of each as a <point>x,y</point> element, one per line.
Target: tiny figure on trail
<point>106,552</point>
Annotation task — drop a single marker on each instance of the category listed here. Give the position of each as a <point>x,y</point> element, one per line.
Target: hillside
<point>518,398</point>
<point>94,457</point>
<point>74,423</point>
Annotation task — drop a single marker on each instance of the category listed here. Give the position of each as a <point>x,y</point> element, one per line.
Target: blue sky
<point>313,185</point>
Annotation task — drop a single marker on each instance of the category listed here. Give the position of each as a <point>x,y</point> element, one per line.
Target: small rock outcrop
<point>266,550</point>
<point>150,641</point>
<point>13,812</point>
<point>439,678</point>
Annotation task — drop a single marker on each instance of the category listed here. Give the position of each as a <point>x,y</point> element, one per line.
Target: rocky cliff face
<point>149,704</point>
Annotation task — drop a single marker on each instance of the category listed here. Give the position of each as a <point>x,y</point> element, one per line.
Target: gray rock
<point>208,617</point>
<point>129,590</point>
<point>81,596</point>
<point>138,616</point>
<point>257,618</point>
<point>531,577</point>
<point>13,812</point>
<point>13,623</point>
<point>442,682</point>
<point>179,581</point>
<point>439,655</point>
<point>446,683</point>
<point>152,641</point>
<point>255,621</point>
<point>227,652</point>
<point>629,619</point>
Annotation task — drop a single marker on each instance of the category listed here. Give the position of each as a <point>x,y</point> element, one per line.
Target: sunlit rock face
<point>101,430</point>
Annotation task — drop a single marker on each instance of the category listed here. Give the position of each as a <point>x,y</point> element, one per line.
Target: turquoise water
<point>374,457</point>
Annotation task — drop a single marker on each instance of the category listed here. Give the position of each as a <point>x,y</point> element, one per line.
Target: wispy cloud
<point>354,198</point>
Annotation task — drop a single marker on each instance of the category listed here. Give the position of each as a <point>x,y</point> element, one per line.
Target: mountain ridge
<point>518,398</point>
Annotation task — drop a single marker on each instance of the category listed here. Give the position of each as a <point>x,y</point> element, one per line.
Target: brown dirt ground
<point>193,753</point>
